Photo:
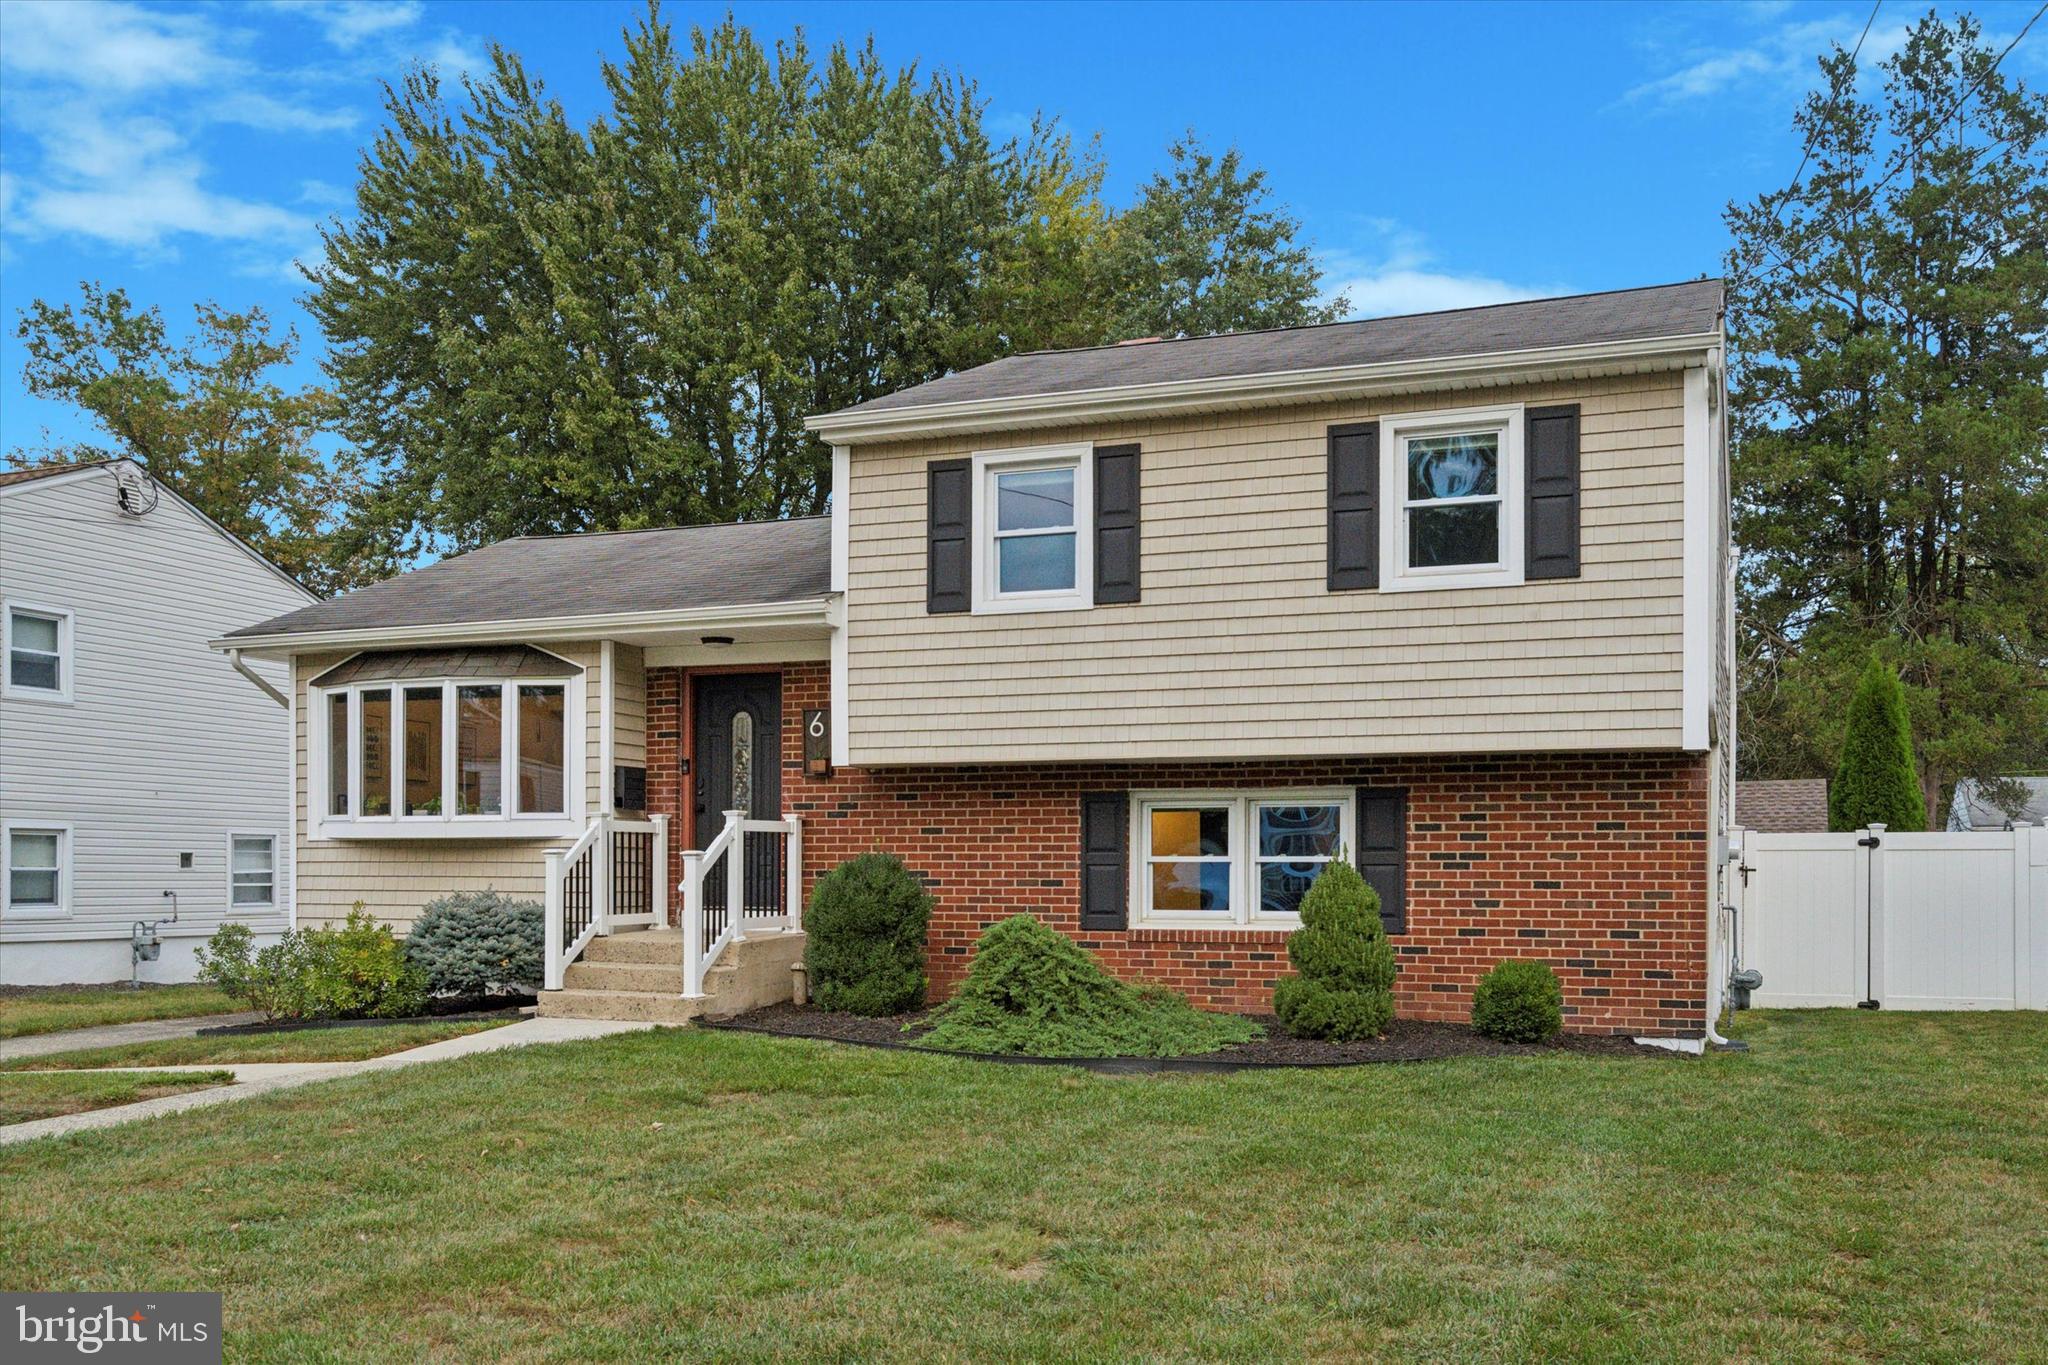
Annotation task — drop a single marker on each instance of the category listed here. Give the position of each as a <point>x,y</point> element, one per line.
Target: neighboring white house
<point>137,766</point>
<point>1974,809</point>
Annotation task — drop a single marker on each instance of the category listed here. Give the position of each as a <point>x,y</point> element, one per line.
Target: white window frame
<point>66,654</point>
<point>276,872</point>
<point>1395,433</point>
<point>447,823</point>
<point>62,909</point>
<point>1244,857</point>
<point>1080,457</point>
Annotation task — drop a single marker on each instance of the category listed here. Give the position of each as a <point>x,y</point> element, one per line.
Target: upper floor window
<point>37,877</point>
<point>38,648</point>
<point>1032,508</point>
<point>1451,499</point>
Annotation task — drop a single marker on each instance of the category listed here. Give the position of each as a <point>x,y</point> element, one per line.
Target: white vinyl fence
<point>1934,921</point>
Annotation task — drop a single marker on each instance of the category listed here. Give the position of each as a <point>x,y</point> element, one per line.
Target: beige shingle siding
<point>394,878</point>
<point>1238,650</point>
<point>629,707</point>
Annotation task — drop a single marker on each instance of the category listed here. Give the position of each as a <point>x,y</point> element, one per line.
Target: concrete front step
<point>654,1007</point>
<point>638,976</point>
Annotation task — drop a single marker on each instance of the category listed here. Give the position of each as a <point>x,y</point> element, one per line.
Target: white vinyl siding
<point>1239,650</point>
<point>164,749</point>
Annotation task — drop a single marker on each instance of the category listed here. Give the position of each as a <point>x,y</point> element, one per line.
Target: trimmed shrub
<point>1876,782</point>
<point>355,971</point>
<point>1344,983</point>
<point>864,937</point>
<point>476,942</point>
<point>1518,1002</point>
<point>1036,992</point>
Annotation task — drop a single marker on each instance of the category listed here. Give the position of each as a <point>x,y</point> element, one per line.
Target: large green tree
<point>206,416</point>
<point>1889,330</point>
<point>541,327</point>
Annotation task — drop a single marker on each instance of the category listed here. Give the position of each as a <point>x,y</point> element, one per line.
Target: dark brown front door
<point>737,765</point>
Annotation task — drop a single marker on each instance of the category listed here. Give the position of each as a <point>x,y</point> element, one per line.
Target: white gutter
<point>235,658</point>
<point>591,626</point>
<point>1269,388</point>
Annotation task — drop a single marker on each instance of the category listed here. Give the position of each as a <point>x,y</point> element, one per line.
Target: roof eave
<point>853,427</point>
<point>801,612</point>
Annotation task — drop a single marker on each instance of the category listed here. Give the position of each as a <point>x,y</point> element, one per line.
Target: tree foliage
<point>541,327</point>
<point>1876,781</point>
<point>1889,329</point>
<point>206,417</point>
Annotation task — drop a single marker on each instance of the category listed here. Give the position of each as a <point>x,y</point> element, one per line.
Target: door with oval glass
<point>737,765</point>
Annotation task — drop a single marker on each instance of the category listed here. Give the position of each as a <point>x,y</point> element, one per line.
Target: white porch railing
<point>755,885</point>
<point>614,876</point>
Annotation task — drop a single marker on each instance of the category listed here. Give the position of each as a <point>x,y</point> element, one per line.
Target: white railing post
<point>659,871</point>
<point>601,876</point>
<point>693,924</point>
<point>793,876</point>
<point>552,918</point>
<point>736,876</point>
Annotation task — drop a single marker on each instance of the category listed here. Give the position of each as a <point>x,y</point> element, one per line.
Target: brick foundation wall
<point>1594,863</point>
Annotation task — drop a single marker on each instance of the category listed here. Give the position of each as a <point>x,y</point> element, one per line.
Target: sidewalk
<point>263,1078</point>
<point>113,1035</point>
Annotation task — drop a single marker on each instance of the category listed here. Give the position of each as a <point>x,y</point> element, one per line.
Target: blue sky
<point>1439,155</point>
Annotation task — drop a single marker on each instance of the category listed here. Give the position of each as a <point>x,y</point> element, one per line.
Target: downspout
<point>235,658</point>
<point>1717,985</point>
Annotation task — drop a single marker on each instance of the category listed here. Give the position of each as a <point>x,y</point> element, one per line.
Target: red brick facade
<point>1594,863</point>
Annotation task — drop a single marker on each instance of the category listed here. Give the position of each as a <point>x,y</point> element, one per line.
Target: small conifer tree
<point>1344,988</point>
<point>1876,781</point>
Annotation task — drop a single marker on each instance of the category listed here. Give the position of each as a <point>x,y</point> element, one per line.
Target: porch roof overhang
<point>765,623</point>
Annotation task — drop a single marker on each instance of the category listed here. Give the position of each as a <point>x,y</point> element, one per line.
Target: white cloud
<point>1766,54</point>
<point>112,47</point>
<point>347,23</point>
<point>1395,272</point>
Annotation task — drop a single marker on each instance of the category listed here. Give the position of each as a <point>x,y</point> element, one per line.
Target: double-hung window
<point>38,650</point>
<point>1451,499</point>
<point>1227,858</point>
<point>454,756</point>
<point>36,877</point>
<point>252,871</point>
<point>1032,512</point>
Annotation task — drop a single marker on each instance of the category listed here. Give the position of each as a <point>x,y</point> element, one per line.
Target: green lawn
<point>1870,1185</point>
<point>36,1010</point>
<point>304,1045</point>
<point>40,1097</point>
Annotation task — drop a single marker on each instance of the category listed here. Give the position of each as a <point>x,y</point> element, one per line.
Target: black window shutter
<point>1383,850</point>
<point>1354,506</point>
<point>1552,528</point>
<point>1105,829</point>
<point>949,515</point>
<point>1116,524</point>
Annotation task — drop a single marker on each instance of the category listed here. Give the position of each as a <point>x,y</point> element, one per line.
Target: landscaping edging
<point>1408,1040</point>
<point>507,1014</point>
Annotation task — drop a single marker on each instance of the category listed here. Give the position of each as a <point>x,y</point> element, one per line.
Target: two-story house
<point>1132,638</point>
<point>141,774</point>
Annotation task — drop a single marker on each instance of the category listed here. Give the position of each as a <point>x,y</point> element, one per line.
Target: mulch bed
<point>451,1010</point>
<point>1406,1040</point>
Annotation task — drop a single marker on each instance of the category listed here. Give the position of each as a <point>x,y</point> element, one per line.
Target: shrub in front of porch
<point>1344,987</point>
<point>1035,992</point>
<point>355,971</point>
<point>478,942</point>
<point>864,937</point>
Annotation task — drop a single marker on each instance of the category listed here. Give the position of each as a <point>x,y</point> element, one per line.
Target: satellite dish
<point>135,493</point>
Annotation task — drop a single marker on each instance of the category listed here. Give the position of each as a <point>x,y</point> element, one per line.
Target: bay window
<point>1225,858</point>
<point>447,757</point>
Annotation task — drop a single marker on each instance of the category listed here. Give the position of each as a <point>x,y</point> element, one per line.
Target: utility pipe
<point>235,658</point>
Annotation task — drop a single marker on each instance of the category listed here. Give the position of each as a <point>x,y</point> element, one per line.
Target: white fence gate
<point>1934,921</point>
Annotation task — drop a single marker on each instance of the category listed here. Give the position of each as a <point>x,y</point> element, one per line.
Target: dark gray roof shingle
<point>542,577</point>
<point>1665,310</point>
<point>1791,805</point>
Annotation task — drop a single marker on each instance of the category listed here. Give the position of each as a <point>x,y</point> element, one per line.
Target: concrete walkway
<point>262,1078</point>
<point>114,1035</point>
